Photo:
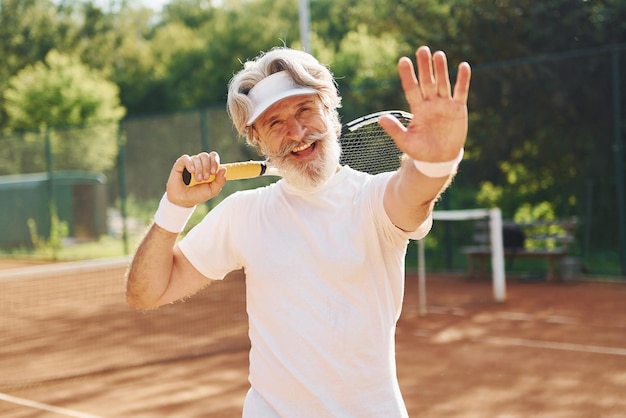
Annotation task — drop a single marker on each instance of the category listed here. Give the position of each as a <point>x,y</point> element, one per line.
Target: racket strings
<point>370,149</point>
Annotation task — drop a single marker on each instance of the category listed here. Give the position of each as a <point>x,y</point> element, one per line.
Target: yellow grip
<point>234,171</point>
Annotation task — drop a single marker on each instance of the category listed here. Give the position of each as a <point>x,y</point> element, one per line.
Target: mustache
<point>310,138</point>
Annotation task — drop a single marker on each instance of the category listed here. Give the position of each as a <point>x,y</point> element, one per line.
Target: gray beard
<point>307,176</point>
<point>310,175</point>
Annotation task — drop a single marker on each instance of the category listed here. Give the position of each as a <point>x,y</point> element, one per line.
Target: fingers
<point>461,88</point>
<point>409,82</point>
<point>393,127</point>
<point>433,79</point>
<point>432,71</point>
<point>425,75</point>
<point>202,166</point>
<point>442,78</point>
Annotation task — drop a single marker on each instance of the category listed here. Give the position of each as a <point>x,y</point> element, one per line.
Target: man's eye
<point>275,127</point>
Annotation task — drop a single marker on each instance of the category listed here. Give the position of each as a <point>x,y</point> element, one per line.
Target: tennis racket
<point>365,146</point>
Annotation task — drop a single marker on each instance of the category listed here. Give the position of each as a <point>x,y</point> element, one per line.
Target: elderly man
<point>322,249</point>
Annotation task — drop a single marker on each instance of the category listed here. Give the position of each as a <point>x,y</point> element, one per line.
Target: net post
<point>497,254</point>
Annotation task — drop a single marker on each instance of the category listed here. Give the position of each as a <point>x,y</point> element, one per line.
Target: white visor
<point>271,89</point>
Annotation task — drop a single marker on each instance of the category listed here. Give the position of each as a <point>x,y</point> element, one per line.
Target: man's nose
<point>295,129</point>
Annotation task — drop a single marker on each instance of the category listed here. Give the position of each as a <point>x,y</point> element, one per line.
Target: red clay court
<point>71,347</point>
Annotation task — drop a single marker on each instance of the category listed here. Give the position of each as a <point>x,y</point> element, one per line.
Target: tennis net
<point>70,320</point>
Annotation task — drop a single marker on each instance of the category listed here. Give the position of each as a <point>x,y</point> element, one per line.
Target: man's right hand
<point>201,166</point>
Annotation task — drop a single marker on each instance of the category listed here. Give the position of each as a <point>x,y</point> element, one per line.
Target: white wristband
<point>442,169</point>
<point>171,217</point>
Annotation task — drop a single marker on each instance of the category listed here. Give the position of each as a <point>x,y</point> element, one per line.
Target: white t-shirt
<point>324,285</point>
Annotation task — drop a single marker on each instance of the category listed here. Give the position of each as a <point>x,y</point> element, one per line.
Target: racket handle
<point>234,171</point>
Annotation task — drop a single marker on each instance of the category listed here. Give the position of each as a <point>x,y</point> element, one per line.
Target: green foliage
<point>59,230</point>
<point>541,116</point>
<point>28,30</point>
<point>489,195</point>
<point>538,132</point>
<point>543,211</point>
<point>62,92</point>
<point>540,212</point>
<point>58,92</point>
<point>365,68</point>
<point>142,210</point>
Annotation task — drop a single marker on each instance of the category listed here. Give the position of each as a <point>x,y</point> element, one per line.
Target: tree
<point>366,71</point>
<point>541,106</point>
<point>28,30</point>
<point>62,92</point>
<point>235,33</point>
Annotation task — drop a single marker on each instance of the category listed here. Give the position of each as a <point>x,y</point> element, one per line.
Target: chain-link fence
<point>110,162</point>
<point>548,129</point>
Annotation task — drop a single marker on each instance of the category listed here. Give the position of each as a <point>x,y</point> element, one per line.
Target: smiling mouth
<point>302,149</point>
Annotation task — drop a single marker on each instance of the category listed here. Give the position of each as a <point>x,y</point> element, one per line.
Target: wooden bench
<point>540,239</point>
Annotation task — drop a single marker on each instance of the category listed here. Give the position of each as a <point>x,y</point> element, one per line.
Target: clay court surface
<point>554,350</point>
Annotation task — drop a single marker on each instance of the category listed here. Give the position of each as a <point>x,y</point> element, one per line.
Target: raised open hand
<point>439,127</point>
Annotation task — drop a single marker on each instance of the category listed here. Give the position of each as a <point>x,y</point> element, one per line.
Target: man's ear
<point>250,134</point>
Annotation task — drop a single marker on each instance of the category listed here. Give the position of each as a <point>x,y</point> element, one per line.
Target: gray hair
<point>301,66</point>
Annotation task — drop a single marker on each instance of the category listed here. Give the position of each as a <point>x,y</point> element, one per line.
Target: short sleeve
<point>209,245</point>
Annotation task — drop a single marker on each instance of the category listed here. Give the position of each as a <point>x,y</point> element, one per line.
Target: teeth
<point>302,147</point>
